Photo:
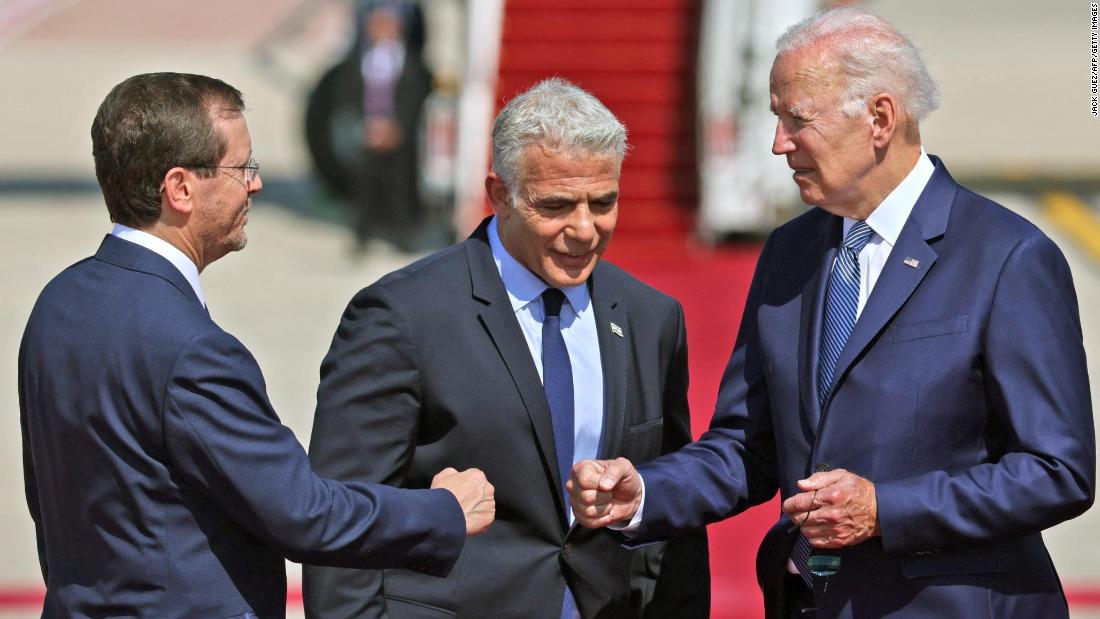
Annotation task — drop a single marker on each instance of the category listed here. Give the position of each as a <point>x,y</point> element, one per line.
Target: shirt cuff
<point>636,521</point>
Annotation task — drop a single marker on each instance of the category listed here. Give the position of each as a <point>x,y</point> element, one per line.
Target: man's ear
<point>178,193</point>
<point>885,119</point>
<point>499,195</point>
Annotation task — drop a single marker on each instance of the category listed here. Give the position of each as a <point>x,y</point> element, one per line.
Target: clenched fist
<point>604,492</point>
<point>475,495</point>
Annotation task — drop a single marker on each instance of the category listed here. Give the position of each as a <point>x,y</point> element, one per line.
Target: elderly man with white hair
<point>521,351</point>
<point>909,373</point>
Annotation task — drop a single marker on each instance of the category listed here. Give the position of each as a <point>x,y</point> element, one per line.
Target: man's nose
<point>582,226</point>
<point>782,143</point>
<point>256,184</point>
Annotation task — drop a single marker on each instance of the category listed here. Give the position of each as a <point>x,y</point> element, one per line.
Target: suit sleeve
<point>682,588</point>
<point>30,481</point>
<point>365,430</point>
<point>733,465</point>
<point>1037,390</point>
<point>224,439</point>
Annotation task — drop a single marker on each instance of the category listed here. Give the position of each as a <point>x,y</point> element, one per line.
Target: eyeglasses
<point>251,169</point>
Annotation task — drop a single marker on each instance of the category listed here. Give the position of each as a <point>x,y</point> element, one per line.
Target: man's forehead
<point>540,159</point>
<point>803,74</point>
<point>548,150</point>
<point>233,127</point>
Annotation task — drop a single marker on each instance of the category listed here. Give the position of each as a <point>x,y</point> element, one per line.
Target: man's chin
<point>565,277</point>
<point>238,243</point>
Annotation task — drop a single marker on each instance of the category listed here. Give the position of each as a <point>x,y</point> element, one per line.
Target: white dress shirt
<point>578,322</point>
<point>167,251</point>
<point>886,221</point>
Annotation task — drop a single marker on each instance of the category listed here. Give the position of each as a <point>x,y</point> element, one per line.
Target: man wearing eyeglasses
<point>909,373</point>
<point>159,478</point>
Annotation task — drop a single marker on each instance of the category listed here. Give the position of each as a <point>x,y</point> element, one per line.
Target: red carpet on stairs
<point>638,57</point>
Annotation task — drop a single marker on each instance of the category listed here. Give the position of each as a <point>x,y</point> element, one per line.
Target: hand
<point>381,133</point>
<point>475,496</point>
<point>835,509</point>
<point>604,492</point>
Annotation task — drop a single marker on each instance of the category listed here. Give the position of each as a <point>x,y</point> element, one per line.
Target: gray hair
<point>873,57</point>
<point>557,114</point>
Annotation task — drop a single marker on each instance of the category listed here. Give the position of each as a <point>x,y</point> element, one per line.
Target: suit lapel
<point>613,355</point>
<point>898,279</point>
<point>499,320</point>
<point>813,303</point>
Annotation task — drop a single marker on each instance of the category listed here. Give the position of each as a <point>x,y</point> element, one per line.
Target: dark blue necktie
<point>841,302</point>
<point>557,381</point>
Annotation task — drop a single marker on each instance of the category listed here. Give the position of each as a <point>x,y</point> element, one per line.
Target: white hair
<point>557,114</point>
<point>872,56</point>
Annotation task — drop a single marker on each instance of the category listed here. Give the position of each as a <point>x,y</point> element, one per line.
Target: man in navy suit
<point>914,343</point>
<point>160,480</point>
<point>451,359</point>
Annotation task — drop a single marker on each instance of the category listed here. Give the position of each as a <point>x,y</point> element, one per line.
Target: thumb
<point>617,470</point>
<point>817,481</point>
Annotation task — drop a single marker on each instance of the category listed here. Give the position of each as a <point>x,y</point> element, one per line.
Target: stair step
<point>656,26</point>
<point>615,89</point>
<point>588,5</point>
<point>611,56</point>
<point>638,57</point>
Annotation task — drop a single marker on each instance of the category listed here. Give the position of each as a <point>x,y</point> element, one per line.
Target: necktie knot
<point>552,299</point>
<point>858,236</point>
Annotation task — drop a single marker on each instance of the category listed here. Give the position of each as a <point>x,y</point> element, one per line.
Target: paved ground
<point>282,297</point>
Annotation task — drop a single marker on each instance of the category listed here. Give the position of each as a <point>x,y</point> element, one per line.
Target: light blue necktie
<point>557,382</point>
<point>841,302</point>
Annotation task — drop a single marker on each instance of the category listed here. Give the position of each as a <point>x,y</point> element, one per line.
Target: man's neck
<point>897,162</point>
<point>178,238</point>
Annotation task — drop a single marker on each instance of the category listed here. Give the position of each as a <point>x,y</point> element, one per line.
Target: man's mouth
<point>573,258</point>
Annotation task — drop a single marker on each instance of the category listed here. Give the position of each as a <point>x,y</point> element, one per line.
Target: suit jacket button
<point>567,550</point>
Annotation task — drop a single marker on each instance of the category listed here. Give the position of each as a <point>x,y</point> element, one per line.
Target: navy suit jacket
<point>160,480</point>
<point>962,394</point>
<point>429,367</point>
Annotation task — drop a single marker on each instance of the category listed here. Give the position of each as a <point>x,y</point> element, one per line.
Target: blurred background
<point>371,122</point>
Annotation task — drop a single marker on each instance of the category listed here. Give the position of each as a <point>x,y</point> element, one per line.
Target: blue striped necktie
<point>841,302</point>
<point>557,382</point>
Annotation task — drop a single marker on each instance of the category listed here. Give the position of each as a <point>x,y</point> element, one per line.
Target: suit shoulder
<point>995,221</point>
<point>425,272</point>
<point>430,283</point>
<point>612,276</point>
<point>140,306</point>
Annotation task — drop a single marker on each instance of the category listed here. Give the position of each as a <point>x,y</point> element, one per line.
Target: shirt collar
<point>522,285</point>
<point>167,251</point>
<point>890,216</point>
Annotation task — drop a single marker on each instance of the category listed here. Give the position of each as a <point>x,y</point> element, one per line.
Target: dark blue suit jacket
<point>159,478</point>
<point>962,394</point>
<point>430,365</point>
